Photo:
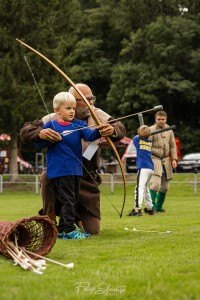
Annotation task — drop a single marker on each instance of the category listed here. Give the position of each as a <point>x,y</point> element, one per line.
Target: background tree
<point>20,100</point>
<point>158,65</point>
<point>134,55</point>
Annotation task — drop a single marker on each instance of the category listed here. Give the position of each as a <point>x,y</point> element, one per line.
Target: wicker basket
<point>36,234</point>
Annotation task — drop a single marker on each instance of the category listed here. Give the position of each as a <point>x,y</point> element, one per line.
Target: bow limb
<point>90,108</point>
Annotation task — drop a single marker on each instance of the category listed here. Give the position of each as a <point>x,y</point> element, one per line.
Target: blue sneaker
<point>62,236</point>
<point>74,235</point>
<point>77,235</point>
<point>80,229</point>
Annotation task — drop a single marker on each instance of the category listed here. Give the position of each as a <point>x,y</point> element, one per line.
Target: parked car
<point>129,158</point>
<point>190,163</point>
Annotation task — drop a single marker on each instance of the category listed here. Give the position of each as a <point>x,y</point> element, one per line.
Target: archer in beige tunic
<point>164,155</point>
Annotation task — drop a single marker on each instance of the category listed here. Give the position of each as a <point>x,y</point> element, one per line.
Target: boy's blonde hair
<point>144,131</point>
<point>62,98</point>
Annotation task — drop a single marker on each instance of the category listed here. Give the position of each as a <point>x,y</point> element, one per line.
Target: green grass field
<point>117,264</point>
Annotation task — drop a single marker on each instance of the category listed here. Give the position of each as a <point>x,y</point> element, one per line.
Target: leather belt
<point>159,156</point>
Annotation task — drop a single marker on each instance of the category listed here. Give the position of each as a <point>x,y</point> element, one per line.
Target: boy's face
<point>160,121</point>
<point>66,112</point>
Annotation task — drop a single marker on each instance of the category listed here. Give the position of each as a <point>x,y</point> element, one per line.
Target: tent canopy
<point>24,163</point>
<point>4,137</point>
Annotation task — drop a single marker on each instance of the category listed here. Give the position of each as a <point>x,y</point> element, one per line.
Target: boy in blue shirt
<point>145,169</point>
<point>64,161</point>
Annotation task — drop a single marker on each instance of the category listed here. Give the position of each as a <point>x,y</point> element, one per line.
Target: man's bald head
<point>84,88</point>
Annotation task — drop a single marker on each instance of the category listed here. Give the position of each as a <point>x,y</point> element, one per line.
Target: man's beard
<point>82,113</point>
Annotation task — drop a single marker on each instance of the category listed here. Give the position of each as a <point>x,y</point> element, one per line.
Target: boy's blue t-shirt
<point>65,157</point>
<point>143,148</point>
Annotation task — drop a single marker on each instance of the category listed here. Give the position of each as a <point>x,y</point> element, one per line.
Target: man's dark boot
<point>153,198</point>
<point>160,201</point>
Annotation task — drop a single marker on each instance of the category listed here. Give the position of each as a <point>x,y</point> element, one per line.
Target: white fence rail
<point>107,178</point>
<point>187,178</point>
<point>23,179</point>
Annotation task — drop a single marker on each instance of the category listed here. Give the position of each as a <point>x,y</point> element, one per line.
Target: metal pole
<point>36,184</point>
<point>163,129</point>
<point>156,108</point>
<point>141,120</point>
<point>195,184</point>
<point>1,184</point>
<point>112,183</point>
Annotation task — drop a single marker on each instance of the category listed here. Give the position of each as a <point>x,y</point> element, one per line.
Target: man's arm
<point>29,132</point>
<point>173,150</point>
<point>32,131</point>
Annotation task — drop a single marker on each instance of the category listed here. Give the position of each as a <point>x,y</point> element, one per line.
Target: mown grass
<point>116,264</point>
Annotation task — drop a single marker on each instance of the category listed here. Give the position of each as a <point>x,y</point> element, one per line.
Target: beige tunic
<point>164,150</point>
